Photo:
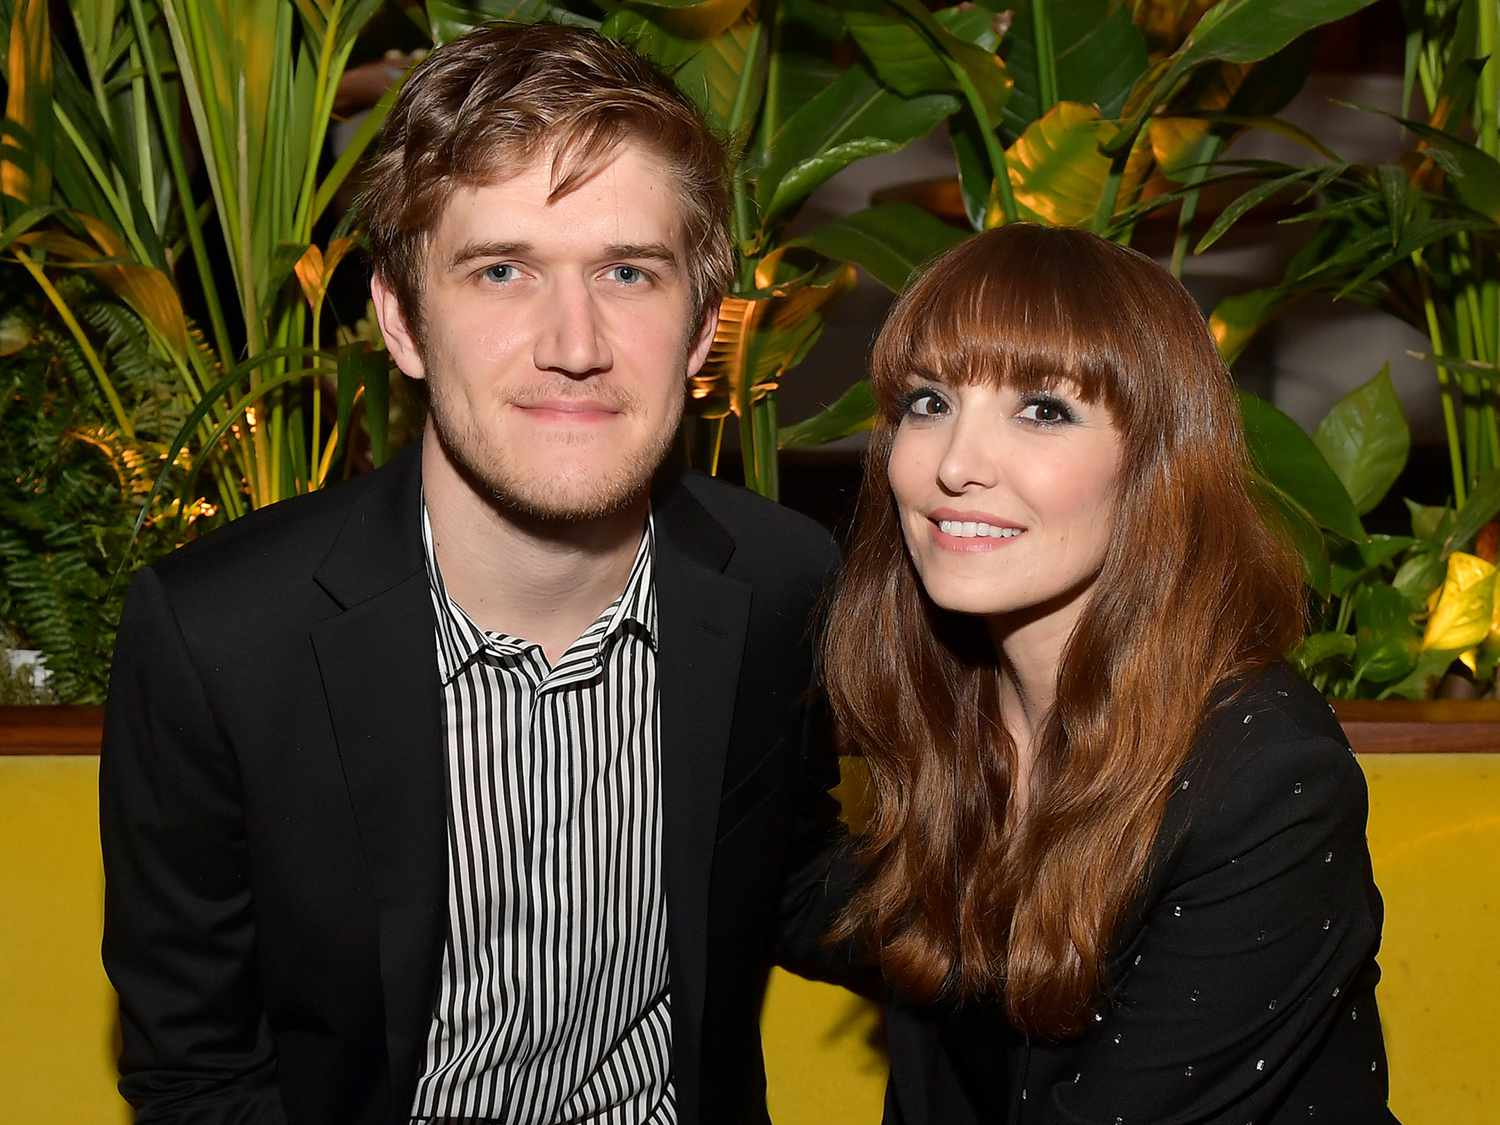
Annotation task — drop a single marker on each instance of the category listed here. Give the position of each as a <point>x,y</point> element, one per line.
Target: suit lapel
<point>378,662</point>
<point>702,616</point>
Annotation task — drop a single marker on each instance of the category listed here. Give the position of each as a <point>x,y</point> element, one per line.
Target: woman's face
<point>1006,498</point>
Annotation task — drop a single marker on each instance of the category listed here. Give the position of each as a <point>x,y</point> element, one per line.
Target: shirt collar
<point>460,640</point>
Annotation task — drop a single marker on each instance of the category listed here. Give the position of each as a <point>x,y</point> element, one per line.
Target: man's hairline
<point>545,150</point>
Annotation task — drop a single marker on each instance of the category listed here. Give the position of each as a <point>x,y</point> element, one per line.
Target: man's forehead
<point>628,197</point>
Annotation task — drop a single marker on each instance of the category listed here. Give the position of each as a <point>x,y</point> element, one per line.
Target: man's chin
<point>551,505</point>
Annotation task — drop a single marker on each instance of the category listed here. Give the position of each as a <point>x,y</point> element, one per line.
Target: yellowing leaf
<point>146,289</point>
<point>759,338</point>
<point>314,270</point>
<point>25,171</point>
<point>1166,23</point>
<point>1057,170</point>
<point>1465,607</point>
<point>700,21</point>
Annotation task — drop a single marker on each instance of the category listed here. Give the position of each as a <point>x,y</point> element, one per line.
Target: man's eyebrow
<point>469,251</point>
<point>652,251</point>
<point>649,251</point>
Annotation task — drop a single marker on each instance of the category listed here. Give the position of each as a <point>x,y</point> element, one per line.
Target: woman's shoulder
<point>1271,752</point>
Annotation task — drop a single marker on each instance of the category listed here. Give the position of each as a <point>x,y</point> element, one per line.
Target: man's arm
<point>179,932</point>
<point>822,875</point>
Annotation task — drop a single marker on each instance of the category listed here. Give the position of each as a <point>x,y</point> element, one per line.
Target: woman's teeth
<point>973,529</point>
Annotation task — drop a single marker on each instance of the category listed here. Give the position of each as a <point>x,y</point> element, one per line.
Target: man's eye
<point>500,273</point>
<point>628,275</point>
<point>1048,411</point>
<point>924,404</point>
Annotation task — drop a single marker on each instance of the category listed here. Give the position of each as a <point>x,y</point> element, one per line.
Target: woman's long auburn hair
<point>965,895</point>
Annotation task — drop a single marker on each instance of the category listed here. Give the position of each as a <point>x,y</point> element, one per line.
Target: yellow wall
<point>57,1012</point>
<point>1434,836</point>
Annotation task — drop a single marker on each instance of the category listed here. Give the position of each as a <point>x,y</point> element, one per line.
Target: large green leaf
<point>448,20</point>
<point>976,185</point>
<point>1431,522</point>
<point>1059,173</point>
<point>1365,440</point>
<point>853,118</point>
<point>1303,532</point>
<point>1420,575</point>
<point>707,70</point>
<point>1319,648</point>
<point>1387,641</point>
<point>891,242</point>
<point>1294,466</point>
<point>695,19</point>
<point>1481,506</point>
<point>852,413</point>
<point>1423,680</point>
<point>1235,31</point>
<point>1237,318</point>
<point>915,52</point>
<point>1100,53</point>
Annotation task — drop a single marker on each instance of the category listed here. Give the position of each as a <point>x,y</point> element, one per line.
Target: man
<point>476,789</point>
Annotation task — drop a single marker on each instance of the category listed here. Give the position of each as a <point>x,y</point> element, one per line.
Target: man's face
<point>557,339</point>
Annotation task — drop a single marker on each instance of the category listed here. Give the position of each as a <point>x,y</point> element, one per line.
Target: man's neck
<point>543,581</point>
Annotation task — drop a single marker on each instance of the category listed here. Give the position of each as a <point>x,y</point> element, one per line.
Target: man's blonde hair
<point>505,94</point>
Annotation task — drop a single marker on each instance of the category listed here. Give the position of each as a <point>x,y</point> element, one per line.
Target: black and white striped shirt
<point>553,1002</point>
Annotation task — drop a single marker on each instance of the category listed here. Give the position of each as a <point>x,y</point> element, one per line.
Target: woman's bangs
<point>976,328</point>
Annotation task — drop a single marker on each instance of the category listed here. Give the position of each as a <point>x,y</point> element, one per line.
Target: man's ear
<point>703,340</point>
<point>398,338</point>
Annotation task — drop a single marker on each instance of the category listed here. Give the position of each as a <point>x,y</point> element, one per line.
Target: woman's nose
<point>972,456</point>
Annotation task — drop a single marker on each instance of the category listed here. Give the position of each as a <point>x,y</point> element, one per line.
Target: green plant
<point>97,176</point>
<point>1102,114</point>
<point>1417,238</point>
<point>71,485</point>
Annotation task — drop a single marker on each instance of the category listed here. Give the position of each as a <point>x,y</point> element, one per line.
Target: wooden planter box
<point>1447,726</point>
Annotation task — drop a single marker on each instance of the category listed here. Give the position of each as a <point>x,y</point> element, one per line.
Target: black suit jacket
<point>274,803</point>
<point>1242,983</point>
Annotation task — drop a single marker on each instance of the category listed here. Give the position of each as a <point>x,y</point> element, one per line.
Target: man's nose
<point>570,338</point>
<point>972,457</point>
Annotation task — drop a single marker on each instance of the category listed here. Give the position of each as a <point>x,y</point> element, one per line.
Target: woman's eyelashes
<point>923,402</point>
<point>1046,410</point>
<point>1039,409</point>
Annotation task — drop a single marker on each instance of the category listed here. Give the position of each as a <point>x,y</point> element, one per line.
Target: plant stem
<point>167,116</point>
<point>1111,193</point>
<point>1208,152</point>
<point>770,114</point>
<point>89,354</point>
<point>999,169</point>
<point>739,128</point>
<point>1450,420</point>
<point>1489,77</point>
<point>1046,56</point>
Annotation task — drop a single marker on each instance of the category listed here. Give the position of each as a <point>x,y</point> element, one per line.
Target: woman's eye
<point>500,273</point>
<point>1048,411</point>
<point>925,404</point>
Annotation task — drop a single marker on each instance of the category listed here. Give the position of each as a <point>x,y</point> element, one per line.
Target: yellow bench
<point>1434,835</point>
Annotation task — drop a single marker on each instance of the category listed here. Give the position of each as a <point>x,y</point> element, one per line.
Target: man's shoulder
<point>765,533</point>
<point>268,548</point>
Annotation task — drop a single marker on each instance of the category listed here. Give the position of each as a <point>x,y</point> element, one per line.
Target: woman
<point>1116,867</point>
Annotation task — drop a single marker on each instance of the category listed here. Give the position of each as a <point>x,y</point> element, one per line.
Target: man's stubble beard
<point>533,495</point>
